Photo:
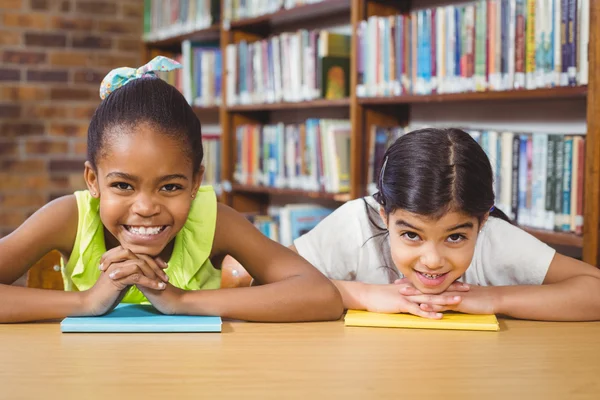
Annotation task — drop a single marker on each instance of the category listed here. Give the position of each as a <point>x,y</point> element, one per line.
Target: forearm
<point>352,294</point>
<point>19,304</point>
<point>297,298</point>
<point>575,299</point>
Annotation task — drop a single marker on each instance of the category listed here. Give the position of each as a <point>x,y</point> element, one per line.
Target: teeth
<point>145,230</point>
<point>430,276</point>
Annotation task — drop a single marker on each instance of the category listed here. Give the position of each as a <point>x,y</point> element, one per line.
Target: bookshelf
<point>365,112</point>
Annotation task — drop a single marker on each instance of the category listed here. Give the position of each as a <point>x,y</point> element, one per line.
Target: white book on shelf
<point>583,43</point>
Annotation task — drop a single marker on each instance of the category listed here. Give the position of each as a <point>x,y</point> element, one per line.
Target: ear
<point>483,220</point>
<point>91,179</point>
<point>197,180</point>
<point>383,216</point>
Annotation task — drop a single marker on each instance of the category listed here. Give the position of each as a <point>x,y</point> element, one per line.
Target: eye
<point>122,186</point>
<point>456,238</point>
<point>171,187</point>
<point>411,236</point>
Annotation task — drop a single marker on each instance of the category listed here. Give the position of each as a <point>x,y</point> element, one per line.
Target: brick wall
<point>53,55</point>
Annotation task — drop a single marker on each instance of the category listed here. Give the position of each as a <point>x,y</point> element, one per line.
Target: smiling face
<point>145,183</point>
<point>432,253</point>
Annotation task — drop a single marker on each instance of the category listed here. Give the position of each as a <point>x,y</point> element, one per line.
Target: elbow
<point>332,299</point>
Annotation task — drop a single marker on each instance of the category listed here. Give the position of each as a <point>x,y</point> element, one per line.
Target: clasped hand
<point>122,269</point>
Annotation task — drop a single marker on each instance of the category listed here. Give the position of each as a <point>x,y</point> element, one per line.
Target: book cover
<point>131,318</point>
<point>335,76</point>
<point>450,320</point>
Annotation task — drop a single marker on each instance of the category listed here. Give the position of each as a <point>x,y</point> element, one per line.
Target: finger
<point>434,308</point>
<point>130,267</point>
<point>435,299</point>
<point>458,287</point>
<point>401,281</point>
<point>139,279</point>
<point>118,254</point>
<point>409,290</point>
<point>155,266</point>
<point>161,263</point>
<point>414,309</point>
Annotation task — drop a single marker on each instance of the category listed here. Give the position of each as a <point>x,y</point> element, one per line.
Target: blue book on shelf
<point>140,318</point>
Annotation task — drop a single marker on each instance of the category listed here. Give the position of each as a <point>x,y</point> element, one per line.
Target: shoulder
<point>229,224</point>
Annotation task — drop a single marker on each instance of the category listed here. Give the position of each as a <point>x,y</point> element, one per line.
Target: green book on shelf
<point>335,77</point>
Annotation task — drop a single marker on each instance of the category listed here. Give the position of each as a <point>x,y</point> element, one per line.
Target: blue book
<point>140,318</point>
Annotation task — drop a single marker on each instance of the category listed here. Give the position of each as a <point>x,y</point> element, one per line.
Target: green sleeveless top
<point>189,267</point>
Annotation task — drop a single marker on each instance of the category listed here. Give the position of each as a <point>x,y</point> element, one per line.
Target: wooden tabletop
<point>525,360</point>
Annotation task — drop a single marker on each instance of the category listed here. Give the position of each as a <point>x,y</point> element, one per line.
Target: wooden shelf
<point>536,94</point>
<point>341,197</point>
<point>304,12</point>
<point>211,33</point>
<point>556,238</point>
<point>290,106</point>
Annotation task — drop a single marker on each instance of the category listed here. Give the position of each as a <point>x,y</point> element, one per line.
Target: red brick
<point>9,38</point>
<point>12,4</point>
<point>133,10</point>
<point>71,59</point>
<point>91,42</point>
<point>83,112</point>
<point>113,61</point>
<point>31,20</point>
<point>59,183</point>
<point>66,93</point>
<point>71,23</point>
<point>67,165</point>
<point>19,129</point>
<point>24,93</point>
<point>10,74</point>
<point>80,148</point>
<point>111,26</point>
<point>10,111</point>
<point>69,129</point>
<point>96,7</point>
<point>45,111</point>
<point>133,45</point>
<point>88,76</point>
<point>22,166</point>
<point>46,39</point>
<point>10,181</point>
<point>38,5</point>
<point>23,57</point>
<point>12,218</point>
<point>22,200</point>
<point>45,146</point>
<point>47,76</point>
<point>9,149</point>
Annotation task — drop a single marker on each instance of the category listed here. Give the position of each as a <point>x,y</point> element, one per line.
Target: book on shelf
<point>202,73</point>
<point>287,223</point>
<point>234,10</point>
<point>166,19</point>
<point>478,46</point>
<point>538,178</point>
<point>211,143</point>
<point>291,67</point>
<point>311,156</point>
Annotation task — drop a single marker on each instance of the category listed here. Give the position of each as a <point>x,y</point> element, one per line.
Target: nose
<point>145,205</point>
<point>432,258</point>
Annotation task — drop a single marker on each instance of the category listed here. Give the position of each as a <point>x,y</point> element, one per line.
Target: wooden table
<point>525,360</point>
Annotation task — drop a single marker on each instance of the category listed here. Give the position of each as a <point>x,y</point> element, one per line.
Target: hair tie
<point>119,77</point>
<point>492,209</point>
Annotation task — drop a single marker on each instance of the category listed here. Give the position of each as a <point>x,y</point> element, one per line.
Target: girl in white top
<point>430,240</point>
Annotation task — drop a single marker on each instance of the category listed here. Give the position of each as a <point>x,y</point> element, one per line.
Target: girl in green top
<point>146,232</point>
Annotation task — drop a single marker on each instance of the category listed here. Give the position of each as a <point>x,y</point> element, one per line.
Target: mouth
<point>431,280</point>
<point>138,234</point>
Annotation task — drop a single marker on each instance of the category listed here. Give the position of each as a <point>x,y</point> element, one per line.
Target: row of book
<point>286,224</point>
<point>211,141</point>
<point>291,67</point>
<point>200,79</point>
<point>478,46</point>
<point>538,178</point>
<point>239,9</point>
<point>167,18</point>
<point>311,156</point>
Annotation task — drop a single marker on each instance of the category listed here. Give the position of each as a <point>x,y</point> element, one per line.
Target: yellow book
<point>456,321</point>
